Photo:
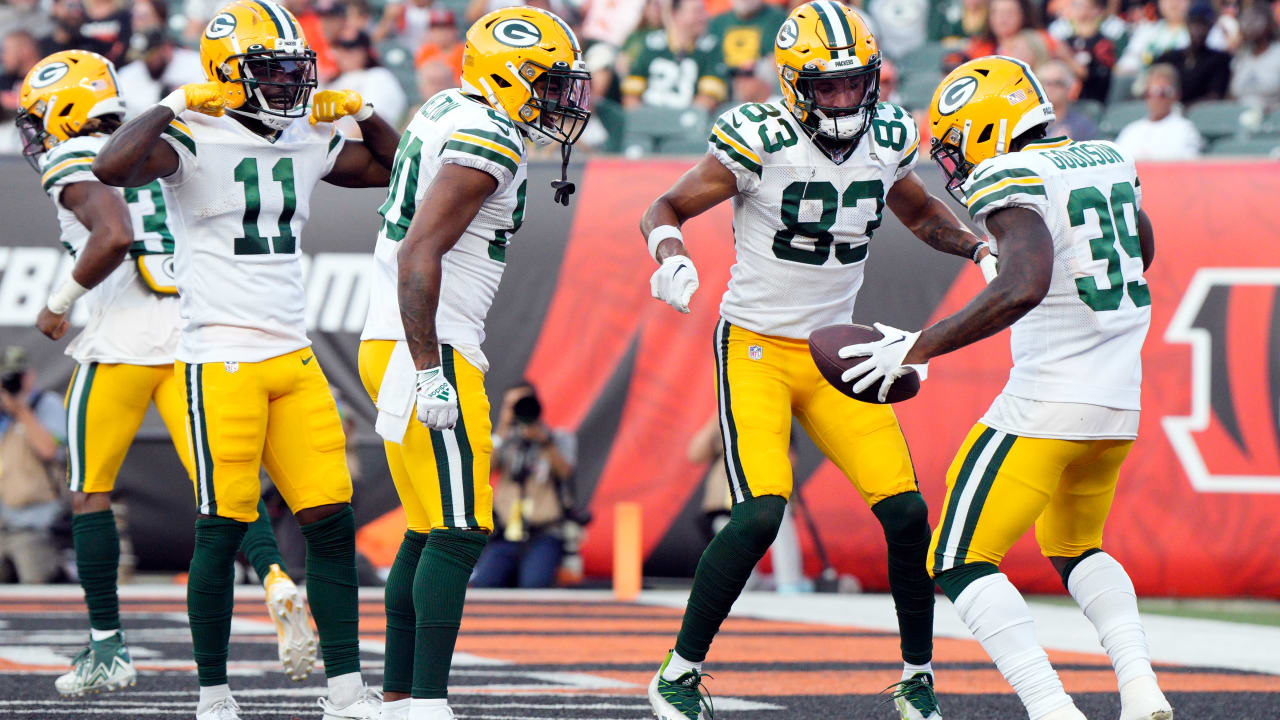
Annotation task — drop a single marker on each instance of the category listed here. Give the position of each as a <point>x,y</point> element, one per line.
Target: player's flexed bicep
<point>362,163</point>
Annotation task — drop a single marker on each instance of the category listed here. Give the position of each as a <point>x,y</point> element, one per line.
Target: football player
<point>241,155</point>
<point>123,245</point>
<point>809,177</point>
<point>1074,242</point>
<point>457,195</point>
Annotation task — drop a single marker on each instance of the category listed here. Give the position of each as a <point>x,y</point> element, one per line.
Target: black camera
<point>11,382</point>
<point>527,410</point>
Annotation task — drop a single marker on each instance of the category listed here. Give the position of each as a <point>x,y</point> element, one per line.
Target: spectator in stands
<point>18,54</point>
<point>148,15</point>
<point>404,21</point>
<point>1093,38</point>
<point>1225,34</point>
<point>1149,40</point>
<point>441,44</point>
<point>68,17</point>
<point>359,16</point>
<point>1013,29</point>
<point>107,22</point>
<point>198,14</point>
<point>677,66</point>
<point>900,26</point>
<point>310,15</point>
<point>1164,134</point>
<point>33,429</point>
<point>1063,88</point>
<point>1204,73</point>
<point>954,22</point>
<point>359,71</point>
<point>159,66</point>
<point>433,76</point>
<point>746,33</point>
<point>889,82</point>
<point>1255,72</point>
<point>533,500</point>
<point>23,15</point>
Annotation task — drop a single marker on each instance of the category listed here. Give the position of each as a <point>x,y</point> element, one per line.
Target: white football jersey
<point>1083,342</point>
<point>128,322</point>
<point>451,128</point>
<point>242,202</point>
<point>802,224</point>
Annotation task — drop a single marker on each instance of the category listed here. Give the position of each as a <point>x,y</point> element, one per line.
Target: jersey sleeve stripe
<point>731,137</point>
<point>59,162</point>
<point>910,157</point>
<point>334,141</point>
<point>985,182</point>
<point>721,142</point>
<point>487,153</point>
<point>52,177</point>
<point>986,190</point>
<point>182,134</point>
<point>466,136</point>
<point>979,205</point>
<point>490,136</point>
<point>53,157</point>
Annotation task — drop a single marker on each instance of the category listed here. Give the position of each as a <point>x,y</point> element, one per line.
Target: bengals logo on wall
<point>1231,440</point>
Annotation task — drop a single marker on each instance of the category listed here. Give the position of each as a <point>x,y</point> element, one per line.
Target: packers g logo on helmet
<point>955,95</point>
<point>517,33</point>
<point>49,74</point>
<point>64,95</point>
<point>222,25</point>
<point>787,34</point>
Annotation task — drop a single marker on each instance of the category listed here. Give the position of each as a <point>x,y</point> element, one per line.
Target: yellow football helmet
<point>829,68</point>
<point>528,63</point>
<point>61,95</point>
<point>979,109</point>
<point>257,51</point>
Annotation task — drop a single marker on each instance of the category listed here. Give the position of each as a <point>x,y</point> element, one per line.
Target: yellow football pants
<point>762,381</point>
<point>106,403</point>
<point>442,476</point>
<point>1000,484</point>
<point>278,413</point>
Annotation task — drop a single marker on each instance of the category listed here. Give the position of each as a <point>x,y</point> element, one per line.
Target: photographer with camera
<point>536,522</point>
<point>32,429</point>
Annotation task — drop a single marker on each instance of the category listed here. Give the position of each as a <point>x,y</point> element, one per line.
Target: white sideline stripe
<point>1180,641</point>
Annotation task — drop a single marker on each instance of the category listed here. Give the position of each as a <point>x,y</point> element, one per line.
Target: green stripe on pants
<point>980,497</point>
<point>948,517</point>
<point>465,456</point>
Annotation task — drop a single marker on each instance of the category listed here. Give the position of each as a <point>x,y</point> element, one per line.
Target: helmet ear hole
<point>985,135</point>
<point>500,81</point>
<point>66,110</point>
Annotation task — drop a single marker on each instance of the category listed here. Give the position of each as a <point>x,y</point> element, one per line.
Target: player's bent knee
<point>953,581</point>
<point>904,517</point>
<point>88,502</point>
<point>1064,565</point>
<point>306,516</point>
<point>755,521</point>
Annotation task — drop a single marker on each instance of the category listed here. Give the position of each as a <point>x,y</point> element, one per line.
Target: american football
<point>824,346</point>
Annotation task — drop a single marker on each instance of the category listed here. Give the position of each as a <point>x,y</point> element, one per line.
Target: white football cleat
<point>436,712</point>
<point>103,665</point>
<point>295,640</point>
<point>366,706</point>
<point>222,709</point>
<point>400,711</point>
<point>1141,699</point>
<point>1070,712</point>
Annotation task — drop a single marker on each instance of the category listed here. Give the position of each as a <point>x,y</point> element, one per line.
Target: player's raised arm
<point>704,186</point>
<point>929,219</point>
<point>450,204</point>
<point>103,212</point>
<point>365,163</point>
<point>136,154</point>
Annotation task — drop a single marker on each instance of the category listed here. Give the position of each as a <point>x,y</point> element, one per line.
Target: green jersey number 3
<point>253,243</point>
<point>1113,229</point>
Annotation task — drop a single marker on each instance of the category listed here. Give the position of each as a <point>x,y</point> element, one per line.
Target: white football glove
<point>437,400</point>
<point>674,282</point>
<point>988,266</point>
<point>885,364</point>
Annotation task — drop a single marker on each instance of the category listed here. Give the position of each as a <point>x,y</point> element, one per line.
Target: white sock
<point>1000,620</point>
<point>431,708</point>
<point>211,694</point>
<point>344,689</point>
<point>99,635</point>
<point>909,670</point>
<point>1105,593</point>
<point>679,666</point>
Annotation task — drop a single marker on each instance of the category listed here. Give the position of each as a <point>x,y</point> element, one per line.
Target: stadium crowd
<point>1168,79</point>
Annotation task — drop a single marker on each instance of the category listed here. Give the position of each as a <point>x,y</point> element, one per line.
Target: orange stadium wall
<point>1196,510</point>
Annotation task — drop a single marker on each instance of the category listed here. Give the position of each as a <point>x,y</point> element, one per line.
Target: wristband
<point>365,113</point>
<point>175,101</point>
<point>660,233</point>
<point>973,254</point>
<point>61,299</point>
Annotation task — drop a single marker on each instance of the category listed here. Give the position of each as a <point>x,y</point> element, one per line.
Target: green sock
<point>98,562</point>
<point>260,544</point>
<point>723,571</point>
<point>211,593</point>
<point>439,591</point>
<point>905,519</point>
<point>332,589</point>
<point>397,674</point>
